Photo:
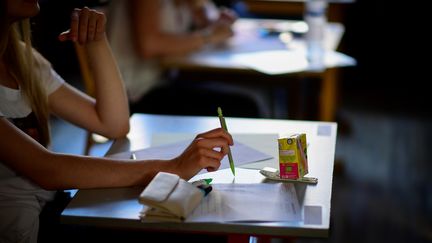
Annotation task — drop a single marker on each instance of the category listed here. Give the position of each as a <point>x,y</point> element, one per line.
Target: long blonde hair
<point>18,55</point>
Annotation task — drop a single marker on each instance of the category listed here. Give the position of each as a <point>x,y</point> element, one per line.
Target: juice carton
<point>293,162</point>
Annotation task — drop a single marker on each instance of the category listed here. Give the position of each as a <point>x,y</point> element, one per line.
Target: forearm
<point>61,171</point>
<point>53,171</point>
<point>160,45</point>
<point>150,39</point>
<point>111,100</point>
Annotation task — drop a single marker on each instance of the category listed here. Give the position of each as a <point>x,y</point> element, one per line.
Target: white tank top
<point>141,75</point>
<point>15,189</point>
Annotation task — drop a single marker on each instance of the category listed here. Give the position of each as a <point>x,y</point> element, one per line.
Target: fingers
<point>87,25</point>
<point>227,15</point>
<point>91,27</point>
<point>217,133</point>
<point>64,36</point>
<point>74,25</point>
<point>100,26</point>
<point>197,156</point>
<point>208,147</point>
<point>210,169</point>
<point>209,163</point>
<point>216,138</point>
<point>71,34</point>
<point>206,151</point>
<point>83,25</point>
<point>216,144</point>
<point>221,31</point>
<point>210,150</point>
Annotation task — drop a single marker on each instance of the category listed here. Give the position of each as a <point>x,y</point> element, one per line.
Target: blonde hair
<point>17,53</point>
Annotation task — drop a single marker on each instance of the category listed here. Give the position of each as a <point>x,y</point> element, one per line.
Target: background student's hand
<point>201,153</point>
<point>221,28</point>
<point>219,32</point>
<point>87,25</point>
<point>227,15</point>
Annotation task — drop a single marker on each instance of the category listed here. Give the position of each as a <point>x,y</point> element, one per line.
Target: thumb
<point>65,36</point>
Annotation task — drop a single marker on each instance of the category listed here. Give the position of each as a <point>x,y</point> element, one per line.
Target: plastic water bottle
<point>315,16</point>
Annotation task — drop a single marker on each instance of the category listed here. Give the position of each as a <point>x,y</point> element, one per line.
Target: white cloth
<point>140,75</point>
<point>20,199</point>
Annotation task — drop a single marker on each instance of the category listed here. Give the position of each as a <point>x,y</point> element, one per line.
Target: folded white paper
<point>168,197</point>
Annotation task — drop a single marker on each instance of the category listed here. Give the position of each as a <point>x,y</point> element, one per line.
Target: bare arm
<point>151,41</point>
<point>108,114</point>
<point>59,171</point>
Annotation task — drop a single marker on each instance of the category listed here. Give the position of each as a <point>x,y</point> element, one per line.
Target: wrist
<point>205,36</point>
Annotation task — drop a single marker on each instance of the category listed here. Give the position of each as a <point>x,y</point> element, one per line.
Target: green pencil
<point>224,126</point>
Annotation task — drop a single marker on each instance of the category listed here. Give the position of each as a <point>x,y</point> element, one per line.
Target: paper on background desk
<point>273,62</point>
<point>287,61</point>
<point>170,145</point>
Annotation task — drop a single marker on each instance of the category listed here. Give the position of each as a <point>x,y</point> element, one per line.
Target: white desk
<point>230,61</point>
<point>119,208</point>
<point>250,37</point>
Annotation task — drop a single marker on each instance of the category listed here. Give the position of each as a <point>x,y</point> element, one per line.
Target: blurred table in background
<point>271,53</point>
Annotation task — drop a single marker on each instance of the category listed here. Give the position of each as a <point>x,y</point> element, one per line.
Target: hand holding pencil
<point>202,153</point>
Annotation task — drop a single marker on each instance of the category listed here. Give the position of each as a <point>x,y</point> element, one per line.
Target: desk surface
<point>119,208</point>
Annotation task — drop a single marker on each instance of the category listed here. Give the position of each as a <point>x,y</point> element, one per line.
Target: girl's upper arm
<point>145,25</point>
<point>74,106</point>
<point>145,15</point>
<point>18,150</point>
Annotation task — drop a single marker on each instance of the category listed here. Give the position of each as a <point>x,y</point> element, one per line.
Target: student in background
<point>30,90</point>
<point>142,32</point>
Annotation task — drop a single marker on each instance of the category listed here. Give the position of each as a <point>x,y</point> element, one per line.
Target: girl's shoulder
<point>38,58</point>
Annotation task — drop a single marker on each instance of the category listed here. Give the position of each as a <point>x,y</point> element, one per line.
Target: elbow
<point>119,132</point>
<point>122,131</point>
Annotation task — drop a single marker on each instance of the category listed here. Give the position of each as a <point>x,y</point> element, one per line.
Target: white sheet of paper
<point>242,153</point>
<point>287,61</point>
<point>265,143</point>
<point>262,202</point>
<point>273,62</point>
